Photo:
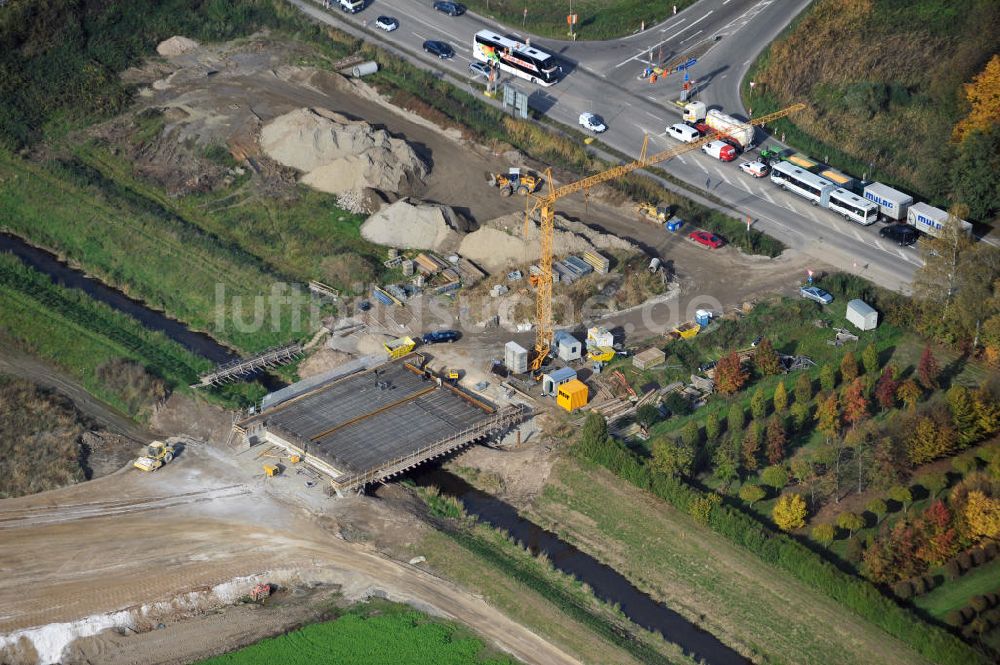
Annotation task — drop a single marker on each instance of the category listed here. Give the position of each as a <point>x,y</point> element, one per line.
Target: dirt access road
<point>126,542</point>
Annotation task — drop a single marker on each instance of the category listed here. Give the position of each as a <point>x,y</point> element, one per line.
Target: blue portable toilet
<point>703,317</point>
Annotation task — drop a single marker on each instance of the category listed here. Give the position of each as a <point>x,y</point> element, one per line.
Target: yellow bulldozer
<point>657,213</point>
<point>157,454</point>
<point>515,181</point>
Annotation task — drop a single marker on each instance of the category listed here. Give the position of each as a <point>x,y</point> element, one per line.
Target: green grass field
<point>534,593</point>
<point>597,19</point>
<point>371,634</point>
<point>955,595</point>
<point>303,235</point>
<point>141,248</point>
<point>80,334</point>
<point>753,607</point>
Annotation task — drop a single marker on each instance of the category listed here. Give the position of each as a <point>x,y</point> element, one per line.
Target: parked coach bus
<point>805,184</point>
<point>516,58</point>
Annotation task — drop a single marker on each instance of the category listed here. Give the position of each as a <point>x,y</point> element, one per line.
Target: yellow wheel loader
<point>515,181</point>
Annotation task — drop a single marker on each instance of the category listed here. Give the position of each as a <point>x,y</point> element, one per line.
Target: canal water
<point>60,273</point>
<point>607,584</point>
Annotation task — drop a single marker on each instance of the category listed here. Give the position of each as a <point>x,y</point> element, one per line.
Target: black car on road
<point>902,234</point>
<point>441,336</point>
<point>440,49</point>
<point>450,8</point>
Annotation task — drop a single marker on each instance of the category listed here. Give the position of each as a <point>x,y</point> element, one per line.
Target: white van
<point>683,133</point>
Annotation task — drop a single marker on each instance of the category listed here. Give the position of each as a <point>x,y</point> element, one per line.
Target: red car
<point>707,239</point>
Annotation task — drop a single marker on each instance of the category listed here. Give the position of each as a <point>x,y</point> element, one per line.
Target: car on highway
<point>720,150</point>
<point>441,336</point>
<point>440,49</point>
<point>593,122</point>
<point>756,168</point>
<point>387,23</point>
<point>480,69</point>
<point>683,133</point>
<point>450,8</point>
<point>903,234</point>
<point>816,294</point>
<point>707,239</point>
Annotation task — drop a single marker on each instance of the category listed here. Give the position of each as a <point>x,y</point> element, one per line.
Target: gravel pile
<point>176,45</point>
<point>408,224</point>
<point>339,155</point>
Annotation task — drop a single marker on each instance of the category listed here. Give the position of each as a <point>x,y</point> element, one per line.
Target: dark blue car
<point>450,8</point>
<point>441,336</point>
<point>440,49</point>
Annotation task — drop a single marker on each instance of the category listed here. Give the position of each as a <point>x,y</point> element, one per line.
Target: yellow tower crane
<point>545,205</point>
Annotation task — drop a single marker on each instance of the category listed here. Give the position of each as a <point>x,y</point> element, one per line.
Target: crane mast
<point>544,204</point>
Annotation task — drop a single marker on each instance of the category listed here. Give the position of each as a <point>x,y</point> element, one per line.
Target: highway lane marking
<point>813,215</point>
<point>659,44</point>
<point>654,117</point>
<point>683,41</point>
<point>857,235</point>
<point>745,186</point>
<point>748,61</point>
<point>768,197</point>
<point>722,175</point>
<point>458,40</point>
<point>672,25</point>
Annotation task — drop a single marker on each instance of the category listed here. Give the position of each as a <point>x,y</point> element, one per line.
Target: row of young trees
<point>773,548</point>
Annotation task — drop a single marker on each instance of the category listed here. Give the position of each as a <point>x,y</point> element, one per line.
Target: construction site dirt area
<point>227,94</point>
<point>109,561</point>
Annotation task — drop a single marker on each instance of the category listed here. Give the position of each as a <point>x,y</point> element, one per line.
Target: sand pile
<point>176,45</point>
<point>339,155</point>
<point>414,225</point>
<point>500,243</point>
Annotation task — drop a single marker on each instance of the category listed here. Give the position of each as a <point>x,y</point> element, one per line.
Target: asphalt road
<point>604,78</point>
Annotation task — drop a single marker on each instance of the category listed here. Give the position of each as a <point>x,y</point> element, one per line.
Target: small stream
<point>60,273</point>
<point>608,585</point>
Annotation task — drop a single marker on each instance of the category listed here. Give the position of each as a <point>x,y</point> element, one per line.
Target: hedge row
<point>789,555</point>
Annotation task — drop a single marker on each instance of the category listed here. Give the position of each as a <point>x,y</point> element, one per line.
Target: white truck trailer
<point>729,126</point>
<point>892,203</point>
<point>931,220</point>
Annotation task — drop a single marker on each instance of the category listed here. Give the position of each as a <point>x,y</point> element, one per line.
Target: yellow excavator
<point>157,454</point>
<point>515,181</point>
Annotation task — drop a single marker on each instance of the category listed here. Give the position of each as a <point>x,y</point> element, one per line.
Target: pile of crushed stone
<point>409,224</point>
<point>339,155</point>
<point>176,45</point>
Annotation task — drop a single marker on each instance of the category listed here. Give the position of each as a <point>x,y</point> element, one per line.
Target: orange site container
<point>572,395</point>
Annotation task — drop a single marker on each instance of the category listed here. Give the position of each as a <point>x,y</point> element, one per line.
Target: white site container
<point>862,315</point>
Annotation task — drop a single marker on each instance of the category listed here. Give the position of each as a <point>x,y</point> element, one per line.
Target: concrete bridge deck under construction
<point>373,424</point>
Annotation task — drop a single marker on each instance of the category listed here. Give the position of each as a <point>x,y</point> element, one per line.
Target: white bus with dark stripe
<point>516,58</point>
<point>807,185</point>
<point>852,207</point>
